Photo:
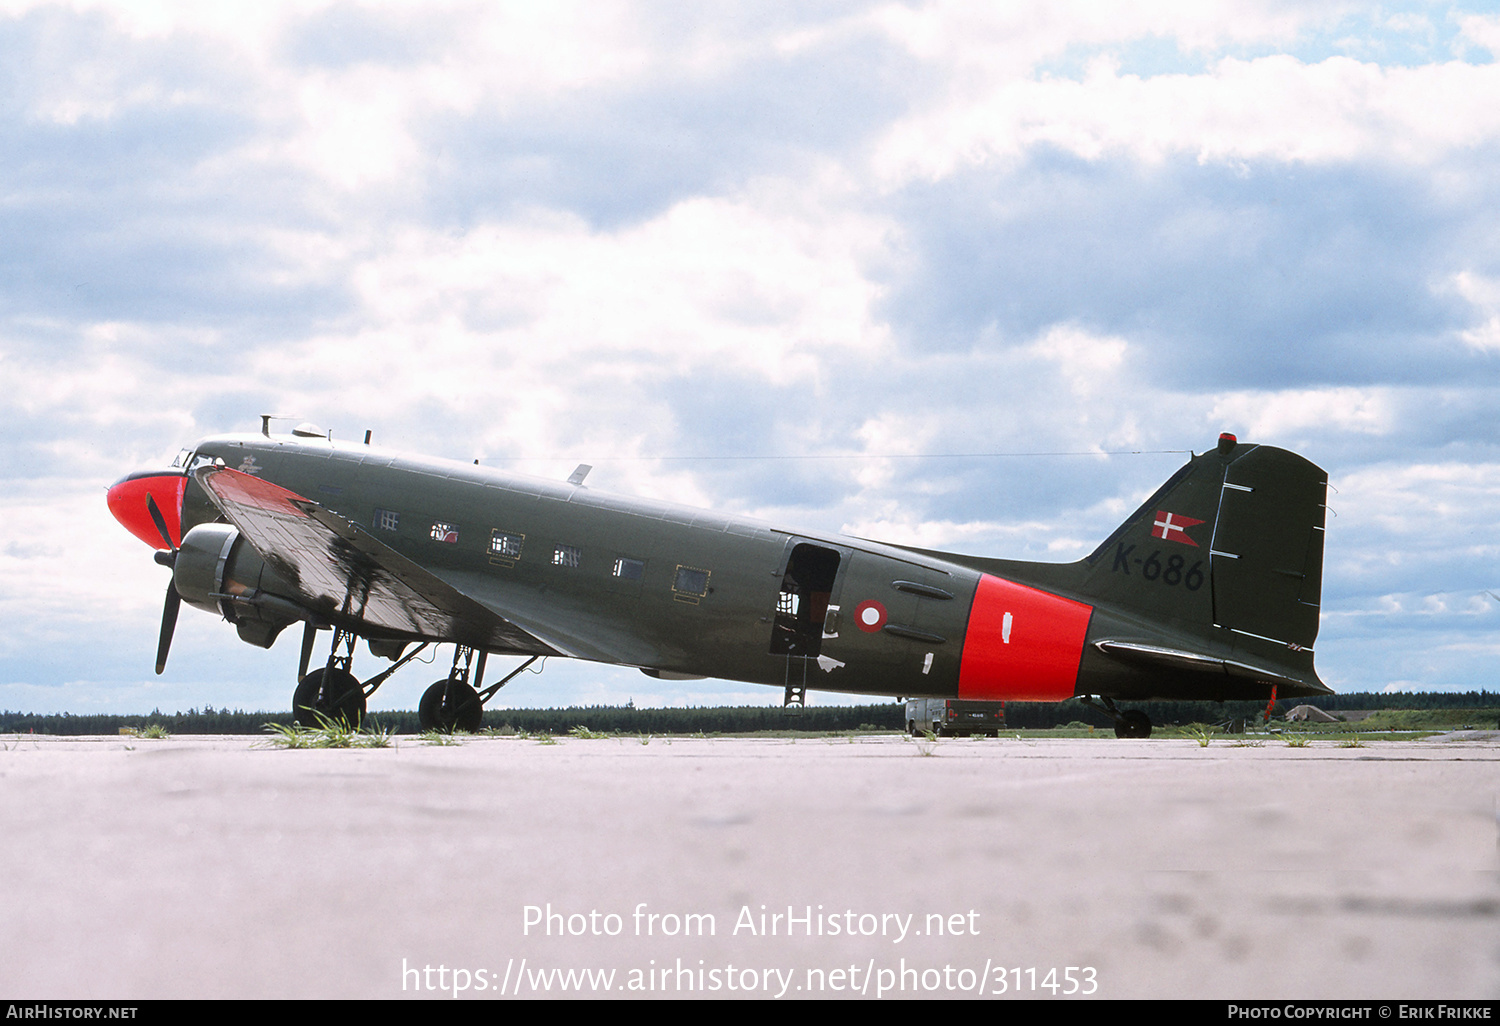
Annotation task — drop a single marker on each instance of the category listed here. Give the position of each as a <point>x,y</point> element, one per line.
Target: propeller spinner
<point>162,530</point>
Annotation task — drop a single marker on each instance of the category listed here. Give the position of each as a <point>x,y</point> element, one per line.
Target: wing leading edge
<point>337,569</point>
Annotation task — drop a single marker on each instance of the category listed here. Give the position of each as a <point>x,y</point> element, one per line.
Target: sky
<point>965,276</point>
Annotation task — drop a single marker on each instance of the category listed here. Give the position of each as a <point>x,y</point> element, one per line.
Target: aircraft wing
<point>338,568</point>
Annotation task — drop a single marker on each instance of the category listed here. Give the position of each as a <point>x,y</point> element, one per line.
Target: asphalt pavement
<point>863,868</point>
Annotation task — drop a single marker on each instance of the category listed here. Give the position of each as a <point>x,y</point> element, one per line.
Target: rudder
<point>1267,553</point>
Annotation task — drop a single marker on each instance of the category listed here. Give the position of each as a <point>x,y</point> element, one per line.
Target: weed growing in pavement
<point>926,744</point>
<point>1199,732</point>
<point>327,734</point>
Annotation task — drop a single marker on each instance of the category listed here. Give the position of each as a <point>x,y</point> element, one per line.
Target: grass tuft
<point>1199,732</point>
<point>152,731</point>
<point>327,734</point>
<point>926,744</point>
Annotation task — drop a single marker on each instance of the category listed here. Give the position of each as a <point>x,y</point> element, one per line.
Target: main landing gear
<point>1129,723</point>
<point>453,703</point>
<point>332,693</point>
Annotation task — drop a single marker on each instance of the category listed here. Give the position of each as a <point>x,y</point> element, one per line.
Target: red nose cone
<point>127,501</point>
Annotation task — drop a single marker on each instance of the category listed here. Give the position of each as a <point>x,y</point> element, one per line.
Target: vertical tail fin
<point>1233,540</point>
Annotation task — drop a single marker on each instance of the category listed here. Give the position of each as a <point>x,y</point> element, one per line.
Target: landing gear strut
<point>453,703</point>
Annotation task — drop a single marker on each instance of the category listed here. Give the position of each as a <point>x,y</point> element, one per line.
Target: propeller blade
<point>161,522</point>
<point>168,625</point>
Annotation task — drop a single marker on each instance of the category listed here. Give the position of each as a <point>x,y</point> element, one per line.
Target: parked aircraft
<point>1209,590</point>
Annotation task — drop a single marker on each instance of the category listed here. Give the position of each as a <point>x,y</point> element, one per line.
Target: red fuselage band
<point>1022,643</point>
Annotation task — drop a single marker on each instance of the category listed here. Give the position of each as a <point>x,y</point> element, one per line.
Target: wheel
<point>450,705</point>
<point>1133,723</point>
<point>340,699</point>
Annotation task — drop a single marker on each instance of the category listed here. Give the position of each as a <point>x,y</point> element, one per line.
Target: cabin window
<point>506,546</point>
<point>691,581</point>
<point>444,532</point>
<point>629,569</point>
<point>387,519</point>
<point>567,555</point>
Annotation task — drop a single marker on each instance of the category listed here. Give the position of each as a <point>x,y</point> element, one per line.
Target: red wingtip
<point>127,501</point>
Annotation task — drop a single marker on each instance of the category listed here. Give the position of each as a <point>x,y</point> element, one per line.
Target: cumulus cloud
<point>1484,295</point>
<point>1271,108</point>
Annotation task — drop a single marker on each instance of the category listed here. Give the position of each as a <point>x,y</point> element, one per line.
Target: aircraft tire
<point>343,699</point>
<point>450,705</point>
<point>1133,723</point>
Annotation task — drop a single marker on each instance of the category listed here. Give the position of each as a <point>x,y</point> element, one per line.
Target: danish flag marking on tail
<point>1173,527</point>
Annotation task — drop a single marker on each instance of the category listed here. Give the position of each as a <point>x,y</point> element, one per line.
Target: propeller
<point>173,601</point>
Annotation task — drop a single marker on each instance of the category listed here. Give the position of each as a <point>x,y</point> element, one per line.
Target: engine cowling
<point>217,571</point>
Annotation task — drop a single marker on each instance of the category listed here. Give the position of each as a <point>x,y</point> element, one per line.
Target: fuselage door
<point>807,588</point>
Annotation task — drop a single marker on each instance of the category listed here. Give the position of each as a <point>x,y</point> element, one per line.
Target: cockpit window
<point>188,461</point>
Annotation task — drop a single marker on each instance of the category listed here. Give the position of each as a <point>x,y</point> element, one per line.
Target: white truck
<point>952,717</point>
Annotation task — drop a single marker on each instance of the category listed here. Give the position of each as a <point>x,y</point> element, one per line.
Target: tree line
<point>748,719</point>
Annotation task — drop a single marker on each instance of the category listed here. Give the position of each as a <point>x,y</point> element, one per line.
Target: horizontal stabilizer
<point>1177,659</point>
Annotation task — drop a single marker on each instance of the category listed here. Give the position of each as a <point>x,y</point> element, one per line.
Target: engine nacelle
<point>217,571</point>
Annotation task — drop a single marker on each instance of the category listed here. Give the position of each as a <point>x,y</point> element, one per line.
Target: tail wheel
<point>335,694</point>
<point>450,705</point>
<point>1133,723</point>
